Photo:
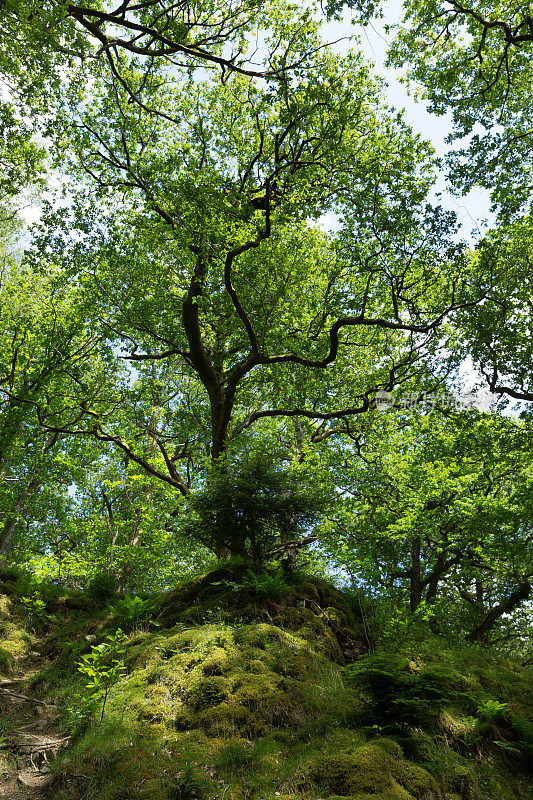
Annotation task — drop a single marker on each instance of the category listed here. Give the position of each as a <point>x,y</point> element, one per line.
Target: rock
<point>33,780</point>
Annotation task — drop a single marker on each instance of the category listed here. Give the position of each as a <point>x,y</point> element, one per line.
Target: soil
<point>31,741</point>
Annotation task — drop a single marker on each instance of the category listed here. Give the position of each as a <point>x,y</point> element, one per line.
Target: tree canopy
<point>239,253</point>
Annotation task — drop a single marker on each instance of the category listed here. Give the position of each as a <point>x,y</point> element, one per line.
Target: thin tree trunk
<point>415,597</point>
<point>12,522</point>
<point>521,593</point>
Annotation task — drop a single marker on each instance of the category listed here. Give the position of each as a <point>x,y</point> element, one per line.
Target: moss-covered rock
<point>373,770</point>
<point>15,641</point>
<point>463,780</point>
<point>309,606</point>
<point>227,682</point>
<point>7,662</point>
<point>253,701</point>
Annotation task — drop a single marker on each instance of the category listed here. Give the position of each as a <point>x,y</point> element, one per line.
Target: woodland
<point>266,484</point>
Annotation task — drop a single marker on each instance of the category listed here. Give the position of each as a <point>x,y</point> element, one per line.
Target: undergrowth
<point>246,686</point>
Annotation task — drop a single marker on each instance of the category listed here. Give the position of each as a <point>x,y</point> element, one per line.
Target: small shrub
<point>267,584</point>
<point>35,608</point>
<point>397,697</point>
<point>491,710</point>
<point>102,587</point>
<point>9,574</point>
<point>130,612</point>
<point>102,670</point>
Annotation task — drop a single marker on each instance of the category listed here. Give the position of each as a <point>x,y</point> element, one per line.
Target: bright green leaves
<point>199,245</point>
<point>437,514</point>
<point>21,160</point>
<point>474,61</point>
<point>102,667</point>
<point>497,333</point>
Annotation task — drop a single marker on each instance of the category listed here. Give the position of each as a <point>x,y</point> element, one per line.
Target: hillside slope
<point>245,687</point>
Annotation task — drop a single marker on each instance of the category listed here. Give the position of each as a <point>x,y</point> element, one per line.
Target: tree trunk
<point>415,594</point>
<point>521,593</point>
<point>12,522</point>
<point>433,579</point>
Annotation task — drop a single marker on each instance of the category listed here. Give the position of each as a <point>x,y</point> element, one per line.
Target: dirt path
<point>28,744</point>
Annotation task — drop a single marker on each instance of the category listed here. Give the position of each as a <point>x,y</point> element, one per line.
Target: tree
<point>248,509</point>
<point>474,60</point>
<point>497,334</point>
<point>438,516</point>
<point>200,252</point>
<point>191,234</point>
<point>45,339</point>
<point>184,34</point>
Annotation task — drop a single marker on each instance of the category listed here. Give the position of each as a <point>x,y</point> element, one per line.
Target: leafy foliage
<point>250,509</point>
<point>240,253</point>
<point>130,612</point>
<point>402,697</point>
<point>102,587</point>
<point>102,667</point>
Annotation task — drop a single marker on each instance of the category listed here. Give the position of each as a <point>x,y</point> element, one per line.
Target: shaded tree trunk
<point>13,520</point>
<point>415,594</point>
<point>521,593</point>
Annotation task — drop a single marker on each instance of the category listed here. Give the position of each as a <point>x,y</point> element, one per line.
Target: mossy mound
<point>14,639</point>
<point>248,710</point>
<point>225,681</point>
<point>240,689</point>
<point>370,770</point>
<point>464,712</point>
<point>234,594</point>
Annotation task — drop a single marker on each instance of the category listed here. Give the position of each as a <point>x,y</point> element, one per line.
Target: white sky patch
<point>327,222</point>
<point>31,214</point>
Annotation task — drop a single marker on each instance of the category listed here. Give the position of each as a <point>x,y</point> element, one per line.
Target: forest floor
<point>251,688</point>
<point>31,739</point>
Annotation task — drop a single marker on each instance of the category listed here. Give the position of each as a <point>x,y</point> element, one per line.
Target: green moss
<point>226,682</point>
<point>228,594</point>
<point>7,662</point>
<point>308,590</point>
<point>370,769</point>
<point>206,692</point>
<point>15,641</point>
<point>217,663</point>
<point>390,746</point>
<point>464,781</point>
<point>338,617</point>
<point>5,606</point>
<point>415,780</point>
<point>260,709</point>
